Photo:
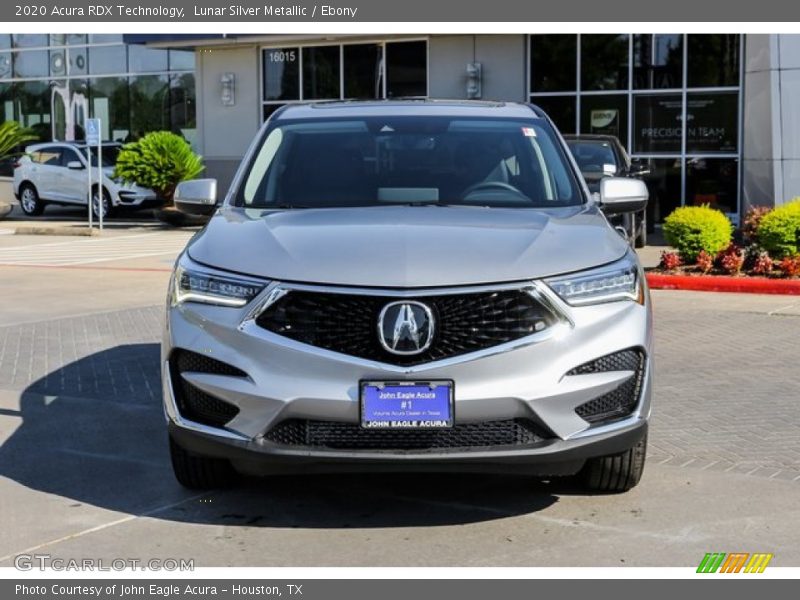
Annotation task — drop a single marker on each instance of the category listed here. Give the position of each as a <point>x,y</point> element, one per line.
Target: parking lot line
<point>84,252</point>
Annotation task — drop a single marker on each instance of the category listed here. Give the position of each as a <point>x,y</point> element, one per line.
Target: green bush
<point>13,135</point>
<point>159,161</point>
<point>692,229</point>
<point>779,230</point>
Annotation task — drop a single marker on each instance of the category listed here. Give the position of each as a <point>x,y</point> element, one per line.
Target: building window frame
<point>632,92</point>
<point>382,42</point>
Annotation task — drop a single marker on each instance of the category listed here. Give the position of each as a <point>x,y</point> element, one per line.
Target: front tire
<point>617,472</point>
<point>107,206</point>
<point>198,472</point>
<point>29,201</point>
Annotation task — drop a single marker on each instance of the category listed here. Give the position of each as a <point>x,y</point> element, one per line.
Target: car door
<point>46,172</point>
<point>73,182</point>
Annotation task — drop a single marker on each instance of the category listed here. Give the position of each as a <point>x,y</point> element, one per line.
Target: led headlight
<point>617,281</point>
<point>194,283</point>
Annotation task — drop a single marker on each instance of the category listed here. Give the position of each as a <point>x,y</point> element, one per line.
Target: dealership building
<point>716,116</point>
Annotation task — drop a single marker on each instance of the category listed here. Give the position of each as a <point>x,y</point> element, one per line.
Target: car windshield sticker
<point>528,132</point>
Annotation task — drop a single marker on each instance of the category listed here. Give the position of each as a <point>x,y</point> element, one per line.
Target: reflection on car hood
<point>406,246</point>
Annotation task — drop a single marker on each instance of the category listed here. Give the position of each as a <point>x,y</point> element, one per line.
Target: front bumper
<point>522,380</point>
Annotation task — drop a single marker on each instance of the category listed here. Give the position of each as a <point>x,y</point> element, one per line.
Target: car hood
<point>406,246</point>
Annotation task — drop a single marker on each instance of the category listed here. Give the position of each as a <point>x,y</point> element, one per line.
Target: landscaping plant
<point>790,265</point>
<point>731,260</point>
<point>12,135</point>
<point>762,263</point>
<point>705,262</point>
<point>779,230</point>
<point>159,161</point>
<point>670,260</point>
<point>693,229</point>
<point>751,221</point>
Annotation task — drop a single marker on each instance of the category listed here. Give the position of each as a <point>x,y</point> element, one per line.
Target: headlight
<point>618,281</point>
<point>195,283</point>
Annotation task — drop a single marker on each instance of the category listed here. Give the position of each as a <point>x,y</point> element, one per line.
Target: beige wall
<point>226,131</point>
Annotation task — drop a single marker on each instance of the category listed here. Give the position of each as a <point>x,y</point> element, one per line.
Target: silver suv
<point>421,285</point>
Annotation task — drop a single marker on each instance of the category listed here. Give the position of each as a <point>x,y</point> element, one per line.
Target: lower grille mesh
<point>193,403</point>
<point>349,436</point>
<point>621,401</point>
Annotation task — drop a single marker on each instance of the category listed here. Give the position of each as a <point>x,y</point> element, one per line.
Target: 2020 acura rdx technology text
<point>422,285</point>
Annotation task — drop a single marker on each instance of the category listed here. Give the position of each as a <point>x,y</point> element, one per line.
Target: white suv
<point>55,173</point>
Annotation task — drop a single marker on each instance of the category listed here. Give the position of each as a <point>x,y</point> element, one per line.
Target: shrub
<point>731,260</point>
<point>670,260</point>
<point>762,264</point>
<point>692,229</point>
<point>159,161</point>
<point>12,135</point>
<point>779,231</point>
<point>790,266</point>
<point>752,219</point>
<point>705,262</point>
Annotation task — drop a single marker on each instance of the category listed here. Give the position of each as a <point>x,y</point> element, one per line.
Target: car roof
<point>413,107</point>
<point>590,137</point>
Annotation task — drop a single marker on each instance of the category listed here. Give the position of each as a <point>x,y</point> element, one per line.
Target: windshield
<point>593,157</point>
<point>109,154</point>
<point>408,160</point>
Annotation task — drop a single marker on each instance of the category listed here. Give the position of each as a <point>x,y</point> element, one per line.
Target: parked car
<point>419,285</point>
<point>55,173</point>
<point>601,156</point>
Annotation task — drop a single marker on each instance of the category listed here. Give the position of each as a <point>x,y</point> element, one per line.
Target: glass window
<point>68,155</point>
<point>6,103</point>
<point>5,40</point>
<point>553,63</point>
<point>281,74</point>
<point>606,115</point>
<point>32,63</point>
<point>664,184</point>
<point>406,69</point>
<point>58,62</point>
<point>182,108</point>
<point>713,60</point>
<point>107,59</point>
<point>712,181</point>
<point>32,100</point>
<point>108,101</point>
<point>561,109</point>
<point>268,109</point>
<point>5,65</point>
<point>657,125</point>
<point>78,63</point>
<point>380,160</point>
<point>142,59</point>
<point>321,72</point>
<point>712,122</point>
<point>181,60</point>
<point>106,38</point>
<point>362,71</point>
<point>29,40</point>
<point>49,156</point>
<point>604,62</point>
<point>149,104</point>
<point>657,61</point>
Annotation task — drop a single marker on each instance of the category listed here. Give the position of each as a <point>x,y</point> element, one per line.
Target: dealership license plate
<point>406,405</point>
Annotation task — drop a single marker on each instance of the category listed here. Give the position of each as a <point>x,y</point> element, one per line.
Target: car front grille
<point>193,403</point>
<point>621,401</point>
<point>350,436</point>
<point>464,323</point>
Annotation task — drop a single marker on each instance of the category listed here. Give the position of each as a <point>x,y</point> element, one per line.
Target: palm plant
<point>12,135</point>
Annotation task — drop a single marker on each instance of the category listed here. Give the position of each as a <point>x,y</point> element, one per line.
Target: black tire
<point>198,472</point>
<point>29,200</point>
<point>640,241</point>
<point>617,472</point>
<point>109,206</point>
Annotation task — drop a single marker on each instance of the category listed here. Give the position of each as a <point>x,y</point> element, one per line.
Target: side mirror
<point>196,197</point>
<point>619,195</point>
<point>75,165</point>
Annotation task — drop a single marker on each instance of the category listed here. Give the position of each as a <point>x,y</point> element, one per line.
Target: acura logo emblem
<point>405,327</point>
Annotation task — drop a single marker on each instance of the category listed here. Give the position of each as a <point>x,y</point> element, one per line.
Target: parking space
<point>84,468</point>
